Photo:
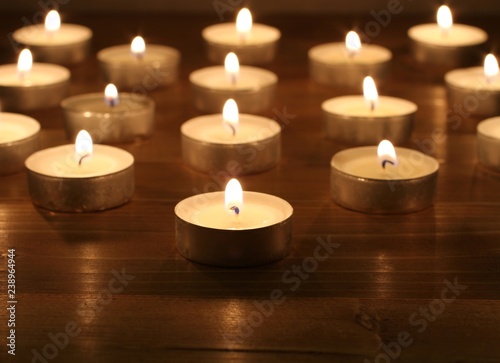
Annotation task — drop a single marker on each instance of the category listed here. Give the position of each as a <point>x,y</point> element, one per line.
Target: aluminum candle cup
<point>158,66</point>
<point>331,64</point>
<point>131,119</point>
<point>19,138</point>
<point>359,182</point>
<point>59,183</point>
<point>207,234</point>
<point>348,120</point>
<point>253,90</point>
<point>69,44</point>
<point>207,146</point>
<point>470,88</point>
<point>460,46</point>
<point>43,87</point>
<point>258,47</point>
<point>488,142</point>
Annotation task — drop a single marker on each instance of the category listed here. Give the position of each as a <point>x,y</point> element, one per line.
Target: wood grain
<point>383,270</point>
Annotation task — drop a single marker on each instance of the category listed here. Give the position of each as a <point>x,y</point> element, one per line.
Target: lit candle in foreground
<point>252,43</point>
<point>367,119</point>
<point>251,87</point>
<point>476,88</point>
<point>234,228</point>
<point>445,43</point>
<point>345,64</point>
<point>19,138</point>
<point>383,179</point>
<point>223,142</point>
<point>488,142</point>
<point>80,177</point>
<point>139,65</point>
<point>110,117</point>
<point>27,86</point>
<point>53,42</point>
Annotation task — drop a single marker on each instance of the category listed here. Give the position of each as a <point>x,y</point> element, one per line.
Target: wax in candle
<point>15,127</point>
<point>355,106</point>
<point>227,34</point>
<point>336,53</point>
<point>67,34</point>
<point>364,163</point>
<point>121,55</point>
<point>490,127</point>
<point>62,161</point>
<point>472,78</point>
<point>39,75</point>
<point>250,78</point>
<point>211,129</point>
<point>458,35</point>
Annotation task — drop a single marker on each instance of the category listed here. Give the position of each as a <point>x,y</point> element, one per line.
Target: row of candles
<point>87,177</point>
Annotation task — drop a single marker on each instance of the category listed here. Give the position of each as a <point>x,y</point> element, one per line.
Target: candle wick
<point>233,79</point>
<point>81,159</point>
<point>372,106</point>
<point>235,209</point>
<point>233,129</point>
<point>385,162</point>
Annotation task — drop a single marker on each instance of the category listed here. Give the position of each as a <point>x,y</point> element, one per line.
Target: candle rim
<point>24,35</point>
<point>190,205</point>
<point>63,75</point>
<point>372,151</point>
<point>169,55</point>
<point>457,77</point>
<point>126,98</point>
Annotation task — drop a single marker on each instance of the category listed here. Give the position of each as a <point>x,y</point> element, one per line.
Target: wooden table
<point>385,275</point>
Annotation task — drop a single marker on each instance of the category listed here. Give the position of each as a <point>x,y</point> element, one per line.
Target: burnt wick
<point>385,162</point>
<point>235,209</point>
<point>81,159</point>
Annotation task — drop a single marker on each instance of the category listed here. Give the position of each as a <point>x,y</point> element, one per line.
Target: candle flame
<point>111,95</point>
<point>83,146</point>
<point>352,43</point>
<point>233,197</point>
<point>490,67</point>
<point>386,154</point>
<point>370,92</point>
<point>444,18</point>
<point>24,63</point>
<point>244,23</point>
<point>232,66</point>
<point>52,21</point>
<point>138,47</point>
<point>230,115</point>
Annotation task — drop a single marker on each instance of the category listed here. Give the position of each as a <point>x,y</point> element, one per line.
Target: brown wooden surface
<point>382,271</point>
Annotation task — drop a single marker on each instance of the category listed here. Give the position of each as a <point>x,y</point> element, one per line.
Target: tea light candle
<point>446,44</point>
<point>488,142</point>
<point>365,120</point>
<point>252,88</point>
<point>346,64</point>
<point>80,177</point>
<point>477,88</point>
<point>252,43</point>
<point>138,65</point>
<point>383,180</point>
<point>109,117</point>
<point>19,138</point>
<point>30,86</point>
<point>233,228</point>
<point>239,144</point>
<point>54,42</point>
